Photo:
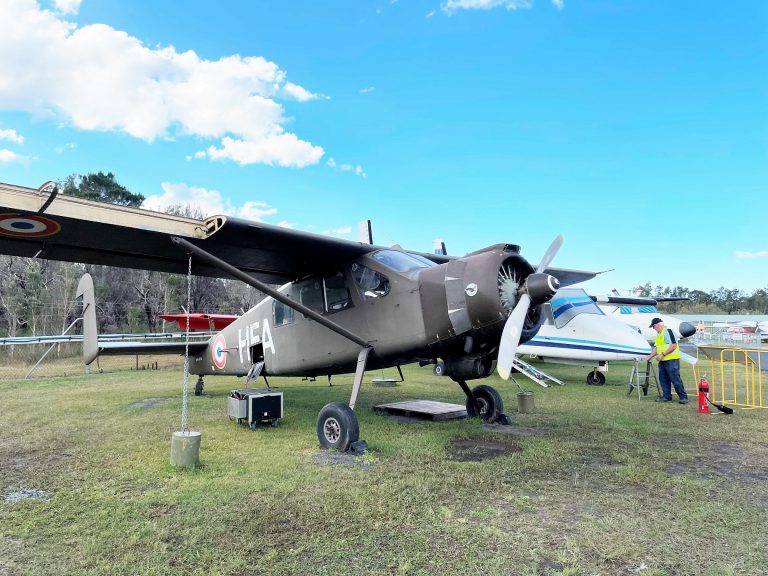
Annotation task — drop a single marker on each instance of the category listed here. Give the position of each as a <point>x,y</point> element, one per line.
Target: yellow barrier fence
<point>735,375</point>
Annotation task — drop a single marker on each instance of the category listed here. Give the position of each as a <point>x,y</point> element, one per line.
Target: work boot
<point>662,399</point>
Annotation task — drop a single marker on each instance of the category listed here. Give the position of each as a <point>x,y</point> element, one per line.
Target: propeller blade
<point>510,337</point>
<point>550,253</point>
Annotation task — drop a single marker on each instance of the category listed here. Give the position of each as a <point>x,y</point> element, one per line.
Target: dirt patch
<point>720,460</point>
<point>513,430</point>
<point>25,494</point>
<point>479,450</point>
<point>341,459</point>
<point>147,403</point>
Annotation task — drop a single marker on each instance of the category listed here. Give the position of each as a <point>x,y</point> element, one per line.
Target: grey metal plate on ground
<point>425,409</point>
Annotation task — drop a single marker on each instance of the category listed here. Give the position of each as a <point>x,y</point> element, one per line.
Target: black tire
<point>337,426</point>
<point>439,369</point>
<point>199,387</point>
<point>489,402</point>
<point>595,378</point>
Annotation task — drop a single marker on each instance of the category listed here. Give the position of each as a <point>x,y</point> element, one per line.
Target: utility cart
<point>254,405</point>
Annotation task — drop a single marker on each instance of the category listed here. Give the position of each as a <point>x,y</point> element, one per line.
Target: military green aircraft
<point>340,307</point>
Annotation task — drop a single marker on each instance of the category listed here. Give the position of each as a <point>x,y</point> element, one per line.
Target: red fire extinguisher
<point>703,396</point>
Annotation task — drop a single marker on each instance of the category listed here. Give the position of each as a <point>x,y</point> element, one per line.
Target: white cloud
<point>357,170</point>
<point>286,224</point>
<point>68,146</point>
<point>431,13</point>
<point>12,136</point>
<point>9,157</point>
<point>453,6</point>
<point>741,255</point>
<point>559,4</point>
<point>208,201</point>
<point>342,231</point>
<point>255,211</point>
<point>67,6</point>
<point>301,94</point>
<point>97,78</point>
<point>367,89</point>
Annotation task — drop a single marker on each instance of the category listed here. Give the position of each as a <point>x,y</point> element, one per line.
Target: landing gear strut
<point>483,401</point>
<point>199,387</point>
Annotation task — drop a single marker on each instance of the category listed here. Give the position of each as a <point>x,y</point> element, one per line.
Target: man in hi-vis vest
<point>667,352</point>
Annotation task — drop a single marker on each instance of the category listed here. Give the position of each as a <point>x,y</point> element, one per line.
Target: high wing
<point>78,230</point>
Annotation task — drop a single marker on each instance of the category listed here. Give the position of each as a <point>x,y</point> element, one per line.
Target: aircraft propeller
<point>537,289</point>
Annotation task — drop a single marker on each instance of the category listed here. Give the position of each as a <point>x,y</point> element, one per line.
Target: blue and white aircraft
<point>577,331</point>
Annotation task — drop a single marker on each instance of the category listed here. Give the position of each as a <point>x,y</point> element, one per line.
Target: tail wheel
<point>489,403</point>
<point>337,426</point>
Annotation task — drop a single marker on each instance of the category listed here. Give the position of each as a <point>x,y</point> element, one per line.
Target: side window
<point>336,293</point>
<point>311,294</point>
<point>281,314</point>
<point>371,283</point>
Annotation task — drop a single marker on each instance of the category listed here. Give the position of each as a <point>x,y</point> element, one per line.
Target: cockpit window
<point>402,261</point>
<point>336,293</point>
<point>325,295</point>
<point>569,303</point>
<point>371,283</point>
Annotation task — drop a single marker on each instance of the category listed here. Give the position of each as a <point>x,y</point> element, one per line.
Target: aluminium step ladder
<point>641,379</point>
<point>540,377</point>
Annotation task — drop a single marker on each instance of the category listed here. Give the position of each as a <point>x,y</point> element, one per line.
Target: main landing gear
<point>483,401</point>
<point>199,386</point>
<point>337,426</point>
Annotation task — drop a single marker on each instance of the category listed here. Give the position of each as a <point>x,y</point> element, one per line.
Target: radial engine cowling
<point>474,295</point>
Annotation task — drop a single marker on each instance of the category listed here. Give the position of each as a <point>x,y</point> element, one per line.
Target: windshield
<point>569,303</point>
<point>401,261</point>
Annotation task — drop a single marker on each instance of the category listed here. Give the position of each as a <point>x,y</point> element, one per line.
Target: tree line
<point>720,301</point>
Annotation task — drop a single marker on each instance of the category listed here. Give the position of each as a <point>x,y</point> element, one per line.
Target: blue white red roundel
<point>27,226</point>
<point>219,351</point>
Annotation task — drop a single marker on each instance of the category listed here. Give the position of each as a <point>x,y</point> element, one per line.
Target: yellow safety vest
<point>662,346</point>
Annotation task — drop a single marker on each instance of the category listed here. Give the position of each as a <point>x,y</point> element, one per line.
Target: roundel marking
<point>30,226</point>
<point>471,289</point>
<point>219,351</point>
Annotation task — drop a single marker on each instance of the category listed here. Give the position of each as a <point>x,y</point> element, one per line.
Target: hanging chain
<point>185,389</point>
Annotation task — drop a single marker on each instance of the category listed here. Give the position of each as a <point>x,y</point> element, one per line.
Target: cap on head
<point>655,321</point>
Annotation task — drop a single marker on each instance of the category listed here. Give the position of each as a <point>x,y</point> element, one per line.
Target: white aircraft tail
<point>90,330</point>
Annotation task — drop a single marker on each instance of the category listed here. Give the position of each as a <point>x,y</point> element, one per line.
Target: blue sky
<point>637,129</point>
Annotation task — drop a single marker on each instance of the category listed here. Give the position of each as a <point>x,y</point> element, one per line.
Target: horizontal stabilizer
<point>107,348</point>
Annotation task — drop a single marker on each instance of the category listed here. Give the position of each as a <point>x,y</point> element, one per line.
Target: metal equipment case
<point>255,405</point>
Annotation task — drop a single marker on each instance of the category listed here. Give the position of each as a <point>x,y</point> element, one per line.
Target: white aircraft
<point>576,331</point>
<point>637,312</point>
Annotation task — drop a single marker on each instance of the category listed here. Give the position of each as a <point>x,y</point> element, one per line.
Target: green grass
<point>606,484</point>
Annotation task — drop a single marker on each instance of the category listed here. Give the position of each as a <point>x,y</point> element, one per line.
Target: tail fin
<point>90,331</point>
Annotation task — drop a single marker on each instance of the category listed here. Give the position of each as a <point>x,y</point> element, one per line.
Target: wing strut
<point>240,275</point>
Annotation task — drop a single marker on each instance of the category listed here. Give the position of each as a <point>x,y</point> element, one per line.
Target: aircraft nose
<point>687,329</point>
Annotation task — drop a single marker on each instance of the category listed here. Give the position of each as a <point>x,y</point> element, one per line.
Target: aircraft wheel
<point>489,402</point>
<point>199,387</point>
<point>595,378</point>
<point>337,426</point>
<point>439,369</point>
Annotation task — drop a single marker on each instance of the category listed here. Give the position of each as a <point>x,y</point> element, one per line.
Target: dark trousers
<point>669,375</point>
